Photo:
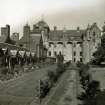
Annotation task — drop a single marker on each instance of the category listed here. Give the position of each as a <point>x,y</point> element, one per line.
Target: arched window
<point>74,53</point>
<point>94,34</point>
<point>80,53</point>
<point>60,52</point>
<point>60,43</point>
<point>49,53</point>
<point>80,59</point>
<point>69,42</point>
<point>74,60</point>
<point>55,53</point>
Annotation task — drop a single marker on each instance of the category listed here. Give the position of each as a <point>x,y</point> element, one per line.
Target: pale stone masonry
<point>91,41</point>
<point>74,45</point>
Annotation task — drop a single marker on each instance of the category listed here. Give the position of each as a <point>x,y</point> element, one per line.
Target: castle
<point>74,45</point>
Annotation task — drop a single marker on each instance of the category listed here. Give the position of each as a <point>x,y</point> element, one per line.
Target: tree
<point>90,94</point>
<point>99,55</point>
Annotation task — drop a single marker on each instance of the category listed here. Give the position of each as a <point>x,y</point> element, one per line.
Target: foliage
<point>44,88</point>
<point>79,64</point>
<point>4,70</point>
<point>53,76</point>
<point>100,98</point>
<point>99,55</point>
<point>91,87</point>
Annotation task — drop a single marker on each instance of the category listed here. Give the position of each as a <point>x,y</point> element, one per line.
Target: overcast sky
<point>68,13</point>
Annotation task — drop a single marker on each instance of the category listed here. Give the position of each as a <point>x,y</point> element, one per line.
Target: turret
<point>26,30</point>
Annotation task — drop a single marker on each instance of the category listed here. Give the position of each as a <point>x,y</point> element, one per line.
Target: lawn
<point>98,73</point>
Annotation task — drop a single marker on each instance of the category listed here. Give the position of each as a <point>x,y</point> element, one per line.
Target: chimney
<point>55,28</point>
<point>94,23</point>
<point>78,29</point>
<point>8,30</point>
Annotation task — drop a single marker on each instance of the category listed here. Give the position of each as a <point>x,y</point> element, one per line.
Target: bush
<point>44,88</point>
<point>47,83</point>
<point>4,70</point>
<point>52,76</point>
<point>91,87</point>
<point>83,70</point>
<point>79,64</point>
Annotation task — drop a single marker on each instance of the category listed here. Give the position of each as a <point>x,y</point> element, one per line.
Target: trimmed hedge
<point>91,87</point>
<point>52,77</point>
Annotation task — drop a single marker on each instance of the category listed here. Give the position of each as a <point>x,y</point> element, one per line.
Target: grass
<point>23,89</point>
<point>13,100</point>
<point>98,73</point>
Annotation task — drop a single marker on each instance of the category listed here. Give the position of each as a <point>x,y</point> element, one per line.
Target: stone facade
<point>91,40</point>
<point>34,39</point>
<point>72,51</point>
<point>5,35</point>
<point>74,45</point>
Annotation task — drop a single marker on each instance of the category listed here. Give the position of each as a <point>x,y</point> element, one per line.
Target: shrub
<point>83,70</point>
<point>79,64</point>
<point>44,88</point>
<point>91,87</point>
<point>52,76</point>
<point>47,83</point>
<point>4,70</point>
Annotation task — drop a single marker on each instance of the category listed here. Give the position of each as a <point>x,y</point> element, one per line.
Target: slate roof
<point>61,35</point>
<point>5,39</point>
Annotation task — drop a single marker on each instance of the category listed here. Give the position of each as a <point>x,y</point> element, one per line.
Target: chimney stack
<point>55,28</point>
<point>8,30</point>
<point>78,28</point>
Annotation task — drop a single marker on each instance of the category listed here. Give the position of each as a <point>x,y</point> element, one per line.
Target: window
<point>74,53</point>
<point>55,53</point>
<point>81,53</point>
<point>94,34</point>
<point>80,59</point>
<point>49,53</point>
<point>74,59</point>
<point>60,52</point>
